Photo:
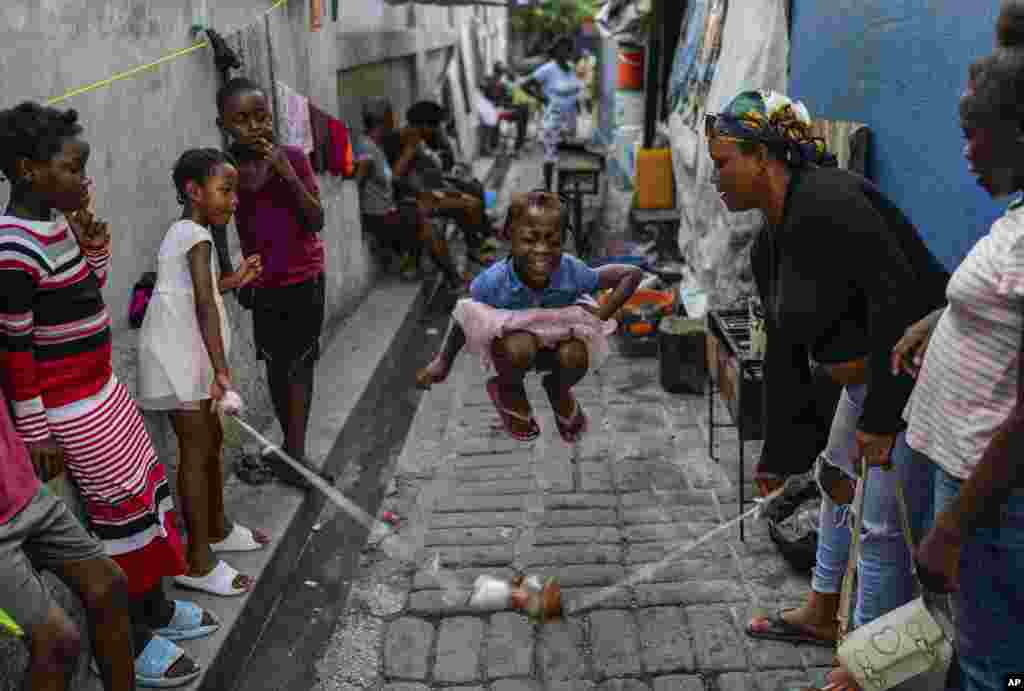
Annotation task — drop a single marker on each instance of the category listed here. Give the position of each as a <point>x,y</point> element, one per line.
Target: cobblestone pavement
<point>639,485</point>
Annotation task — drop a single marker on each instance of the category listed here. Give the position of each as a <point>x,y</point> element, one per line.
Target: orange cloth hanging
<point>316,12</point>
<point>340,159</point>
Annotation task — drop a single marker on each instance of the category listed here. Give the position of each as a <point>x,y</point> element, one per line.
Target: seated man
<point>398,225</point>
<point>38,531</point>
<point>421,155</point>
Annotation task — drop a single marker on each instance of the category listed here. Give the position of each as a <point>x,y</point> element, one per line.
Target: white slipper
<point>220,581</point>
<point>240,539</point>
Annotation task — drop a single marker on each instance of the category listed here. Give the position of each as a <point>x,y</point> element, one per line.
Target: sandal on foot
<point>187,623</point>
<point>240,539</point>
<point>768,482</point>
<point>156,660</point>
<point>424,378</point>
<point>776,628</point>
<point>507,415</point>
<point>220,581</point>
<point>570,428</point>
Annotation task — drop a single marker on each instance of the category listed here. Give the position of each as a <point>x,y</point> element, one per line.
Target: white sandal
<point>240,539</point>
<point>220,581</point>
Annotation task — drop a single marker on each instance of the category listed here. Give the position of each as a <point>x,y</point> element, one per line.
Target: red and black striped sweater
<point>54,325</point>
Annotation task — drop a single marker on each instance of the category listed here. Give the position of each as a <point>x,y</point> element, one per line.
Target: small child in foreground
<point>183,356</point>
<point>533,311</point>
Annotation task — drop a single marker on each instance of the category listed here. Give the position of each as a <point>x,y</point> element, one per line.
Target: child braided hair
<point>544,206</point>
<point>197,165</point>
<point>34,132</point>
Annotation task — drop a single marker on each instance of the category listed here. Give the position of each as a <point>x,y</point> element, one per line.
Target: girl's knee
<point>572,355</point>
<point>516,349</point>
<point>108,589</point>
<point>57,642</point>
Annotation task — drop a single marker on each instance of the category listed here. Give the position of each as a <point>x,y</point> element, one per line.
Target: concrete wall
<point>138,127</point>
<point>900,66</point>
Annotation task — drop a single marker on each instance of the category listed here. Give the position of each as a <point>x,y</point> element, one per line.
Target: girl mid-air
<point>534,311</point>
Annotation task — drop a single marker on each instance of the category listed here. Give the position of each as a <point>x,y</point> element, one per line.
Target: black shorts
<point>287,322</point>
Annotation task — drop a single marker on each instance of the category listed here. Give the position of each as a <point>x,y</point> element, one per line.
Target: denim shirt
<point>500,287</point>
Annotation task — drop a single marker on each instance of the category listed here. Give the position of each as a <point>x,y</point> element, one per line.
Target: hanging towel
<point>296,130</point>
<point>320,123</point>
<point>341,160</point>
<point>316,10</point>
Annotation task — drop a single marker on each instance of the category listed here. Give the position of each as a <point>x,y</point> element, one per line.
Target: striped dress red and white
<point>56,371</point>
<point>968,382</point>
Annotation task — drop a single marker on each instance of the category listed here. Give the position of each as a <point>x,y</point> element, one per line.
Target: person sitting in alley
<point>279,218</point>
<point>399,229</point>
<point>183,365</point>
<point>425,176</point>
<point>38,531</point>
<point>534,311</point>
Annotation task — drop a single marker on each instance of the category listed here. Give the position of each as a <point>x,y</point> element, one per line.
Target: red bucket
<point>631,68</point>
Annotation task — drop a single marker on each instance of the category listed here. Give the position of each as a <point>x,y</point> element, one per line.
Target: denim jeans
<point>885,578</point>
<point>990,603</point>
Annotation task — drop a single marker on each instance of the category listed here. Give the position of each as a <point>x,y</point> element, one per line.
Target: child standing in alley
<point>69,406</point>
<point>279,218</point>
<point>183,352</point>
<point>533,311</point>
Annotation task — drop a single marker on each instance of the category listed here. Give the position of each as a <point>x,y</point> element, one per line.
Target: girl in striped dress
<point>55,365</point>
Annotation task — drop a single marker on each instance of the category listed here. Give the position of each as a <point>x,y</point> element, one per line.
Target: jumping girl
<point>566,337</point>
<point>183,351</point>
<point>55,358</point>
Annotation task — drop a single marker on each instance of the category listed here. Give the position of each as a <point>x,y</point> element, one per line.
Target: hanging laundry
<point>296,130</point>
<point>320,123</point>
<point>316,10</point>
<point>341,160</point>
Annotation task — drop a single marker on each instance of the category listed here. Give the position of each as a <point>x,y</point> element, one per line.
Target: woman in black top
<point>841,272</point>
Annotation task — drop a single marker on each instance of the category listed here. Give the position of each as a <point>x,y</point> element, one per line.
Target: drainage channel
<point>302,621</point>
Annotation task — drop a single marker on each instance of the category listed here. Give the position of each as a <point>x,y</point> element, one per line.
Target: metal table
<point>739,379</point>
<point>579,173</point>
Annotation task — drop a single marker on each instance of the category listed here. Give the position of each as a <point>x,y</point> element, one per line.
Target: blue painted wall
<point>900,66</point>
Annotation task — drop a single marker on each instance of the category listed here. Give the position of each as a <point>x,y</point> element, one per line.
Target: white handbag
<point>904,643</point>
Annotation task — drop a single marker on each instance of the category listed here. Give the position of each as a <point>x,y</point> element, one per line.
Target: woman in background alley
<point>966,415</point>
<point>279,218</point>
<point>841,272</point>
<point>560,90</point>
<point>69,406</point>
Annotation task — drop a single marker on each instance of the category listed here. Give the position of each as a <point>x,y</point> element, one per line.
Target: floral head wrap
<point>771,118</point>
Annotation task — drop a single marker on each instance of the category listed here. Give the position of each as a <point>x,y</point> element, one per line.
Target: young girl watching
<point>69,406</point>
<point>279,218</point>
<point>183,353</point>
<point>533,311</point>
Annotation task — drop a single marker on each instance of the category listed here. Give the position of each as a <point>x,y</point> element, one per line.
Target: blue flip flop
<point>155,660</point>
<point>187,623</point>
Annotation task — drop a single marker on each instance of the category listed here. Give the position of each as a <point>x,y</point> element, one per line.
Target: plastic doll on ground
<point>534,312</point>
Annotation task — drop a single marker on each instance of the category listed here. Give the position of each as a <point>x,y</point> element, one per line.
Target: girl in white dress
<point>183,350</point>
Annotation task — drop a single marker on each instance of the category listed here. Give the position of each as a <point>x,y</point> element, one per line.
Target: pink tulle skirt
<point>483,323</point>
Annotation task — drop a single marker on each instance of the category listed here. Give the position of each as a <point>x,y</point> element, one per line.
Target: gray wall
<point>139,126</point>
